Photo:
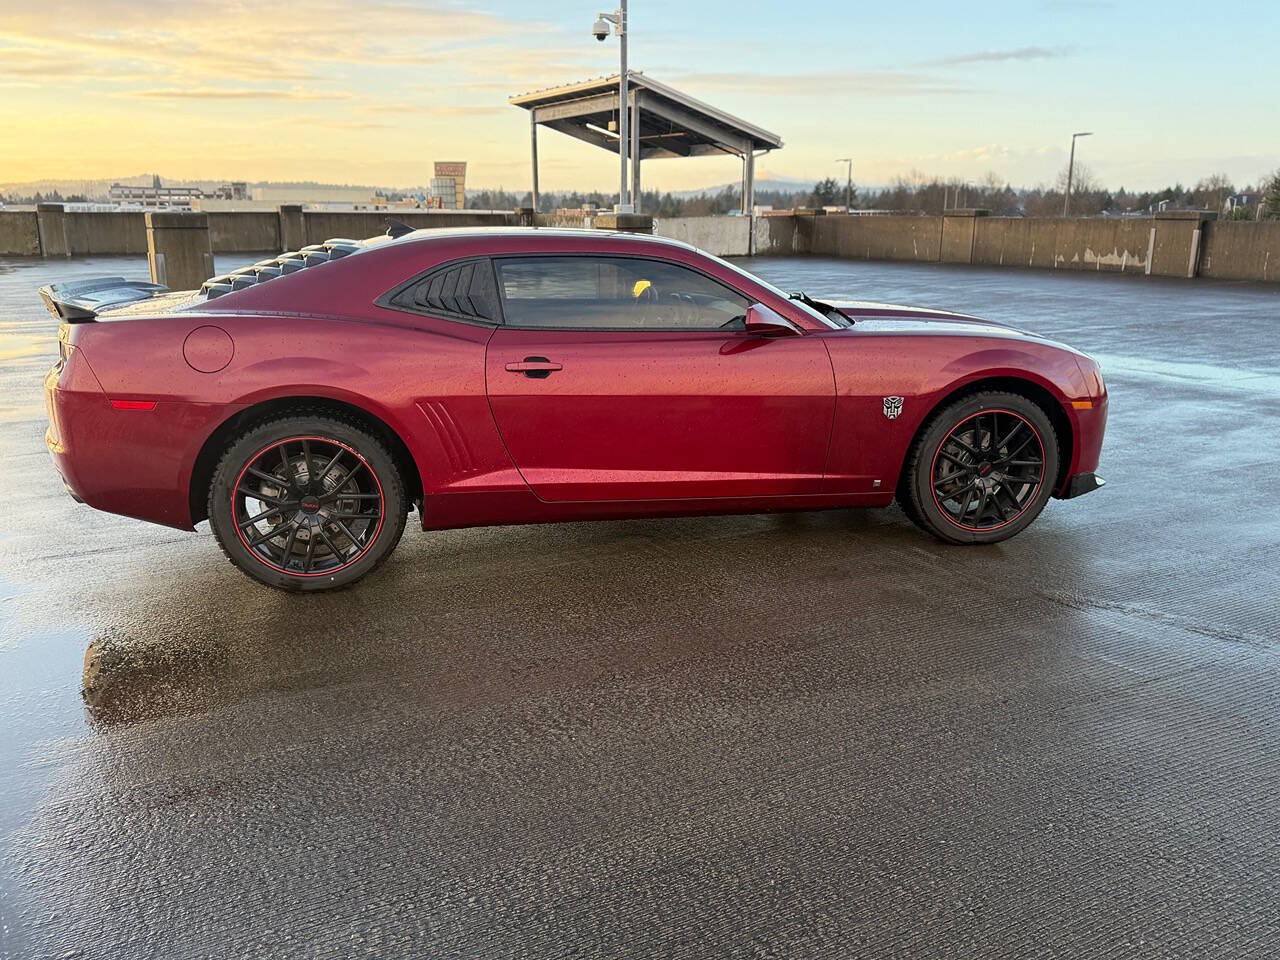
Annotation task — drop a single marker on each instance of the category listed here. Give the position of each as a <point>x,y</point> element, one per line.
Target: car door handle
<point>537,368</point>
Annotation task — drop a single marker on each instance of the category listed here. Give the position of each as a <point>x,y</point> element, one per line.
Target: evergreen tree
<point>827,192</point>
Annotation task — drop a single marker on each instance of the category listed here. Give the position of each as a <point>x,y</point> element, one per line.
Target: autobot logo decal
<point>893,407</point>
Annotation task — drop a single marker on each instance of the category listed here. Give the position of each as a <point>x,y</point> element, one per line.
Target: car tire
<point>307,502</point>
<point>981,469</point>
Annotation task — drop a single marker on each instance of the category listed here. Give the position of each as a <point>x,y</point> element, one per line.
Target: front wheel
<point>982,470</point>
<point>307,503</point>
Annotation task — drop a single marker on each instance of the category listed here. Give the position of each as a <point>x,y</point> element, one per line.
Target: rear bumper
<point>65,466</point>
<point>1081,484</point>
<point>126,461</point>
<point>63,401</point>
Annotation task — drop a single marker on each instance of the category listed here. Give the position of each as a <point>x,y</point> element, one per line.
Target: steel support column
<point>635,152</point>
<point>623,99</point>
<point>533,145</point>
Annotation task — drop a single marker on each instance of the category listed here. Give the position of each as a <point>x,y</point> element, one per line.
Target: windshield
<point>812,312</point>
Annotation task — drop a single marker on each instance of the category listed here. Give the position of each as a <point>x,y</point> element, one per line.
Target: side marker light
<point>134,404</point>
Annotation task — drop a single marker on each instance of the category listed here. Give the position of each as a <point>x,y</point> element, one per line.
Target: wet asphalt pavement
<point>782,736</point>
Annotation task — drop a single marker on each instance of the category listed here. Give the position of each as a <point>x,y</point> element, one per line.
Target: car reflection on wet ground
<point>796,735</point>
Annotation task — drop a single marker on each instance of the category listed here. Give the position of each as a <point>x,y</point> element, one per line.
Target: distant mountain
<point>775,183</point>
<point>93,189</point>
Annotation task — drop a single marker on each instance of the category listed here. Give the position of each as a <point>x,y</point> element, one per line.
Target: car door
<point>628,378</point>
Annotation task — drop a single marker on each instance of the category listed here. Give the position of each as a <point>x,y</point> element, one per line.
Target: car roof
<point>442,235</point>
<point>424,244</point>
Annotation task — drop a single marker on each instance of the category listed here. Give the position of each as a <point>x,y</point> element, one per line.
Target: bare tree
<point>1273,196</point>
<point>1212,192</point>
<point>1082,180</point>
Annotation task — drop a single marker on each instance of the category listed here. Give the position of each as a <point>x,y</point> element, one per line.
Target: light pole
<point>848,187</point>
<point>1071,169</point>
<point>600,30</point>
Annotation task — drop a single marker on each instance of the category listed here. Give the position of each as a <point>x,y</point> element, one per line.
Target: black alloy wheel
<point>307,503</point>
<point>982,469</point>
<point>987,470</point>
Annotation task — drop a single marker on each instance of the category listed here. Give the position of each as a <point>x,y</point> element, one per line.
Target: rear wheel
<point>982,470</point>
<point>307,503</point>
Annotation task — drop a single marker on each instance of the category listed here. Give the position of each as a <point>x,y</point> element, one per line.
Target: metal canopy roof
<point>663,122</point>
<point>671,123</point>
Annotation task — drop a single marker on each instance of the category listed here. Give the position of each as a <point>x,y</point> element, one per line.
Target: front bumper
<point>1081,484</point>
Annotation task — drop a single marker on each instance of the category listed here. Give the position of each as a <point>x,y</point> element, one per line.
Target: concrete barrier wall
<point>89,234</point>
<point>774,236</point>
<point>1103,245</point>
<point>19,235</point>
<point>571,221</point>
<point>97,234</point>
<point>872,238</point>
<point>1239,250</point>
<point>956,245</point>
<point>1174,245</point>
<point>721,236</point>
<point>322,225</point>
<point>245,232</point>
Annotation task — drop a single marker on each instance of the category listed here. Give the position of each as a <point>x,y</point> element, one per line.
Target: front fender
<point>869,446</point>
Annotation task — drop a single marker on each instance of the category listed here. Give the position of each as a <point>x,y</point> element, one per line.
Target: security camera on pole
<point>600,30</point>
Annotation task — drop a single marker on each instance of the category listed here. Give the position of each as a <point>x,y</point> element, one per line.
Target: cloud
<point>201,43</point>
<point>988,154</point>
<point>217,93</point>
<point>998,56</point>
<point>846,82</point>
<point>312,123</point>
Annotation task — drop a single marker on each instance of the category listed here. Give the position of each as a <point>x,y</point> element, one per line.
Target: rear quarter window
<point>465,291</point>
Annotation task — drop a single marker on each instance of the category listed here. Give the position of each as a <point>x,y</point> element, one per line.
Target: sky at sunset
<point>373,92</point>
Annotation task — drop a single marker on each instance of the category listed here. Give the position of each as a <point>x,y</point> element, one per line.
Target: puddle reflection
<point>474,609</point>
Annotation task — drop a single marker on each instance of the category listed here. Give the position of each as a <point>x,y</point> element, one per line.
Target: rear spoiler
<point>80,300</point>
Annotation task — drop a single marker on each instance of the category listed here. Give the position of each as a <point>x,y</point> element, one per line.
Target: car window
<point>462,290</point>
<point>622,293</point>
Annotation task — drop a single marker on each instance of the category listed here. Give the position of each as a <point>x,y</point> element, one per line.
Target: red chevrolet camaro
<point>306,404</point>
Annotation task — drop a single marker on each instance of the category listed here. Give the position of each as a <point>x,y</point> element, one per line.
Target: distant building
<point>154,196</point>
<point>449,186</point>
<point>157,196</point>
<point>274,195</point>
<point>236,190</point>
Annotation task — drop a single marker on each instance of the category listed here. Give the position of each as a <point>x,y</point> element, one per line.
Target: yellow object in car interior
<point>640,287</point>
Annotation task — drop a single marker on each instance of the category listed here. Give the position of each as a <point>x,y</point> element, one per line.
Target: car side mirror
<point>766,322</point>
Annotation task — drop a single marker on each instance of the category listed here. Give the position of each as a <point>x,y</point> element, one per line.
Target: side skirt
<point>451,511</point>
